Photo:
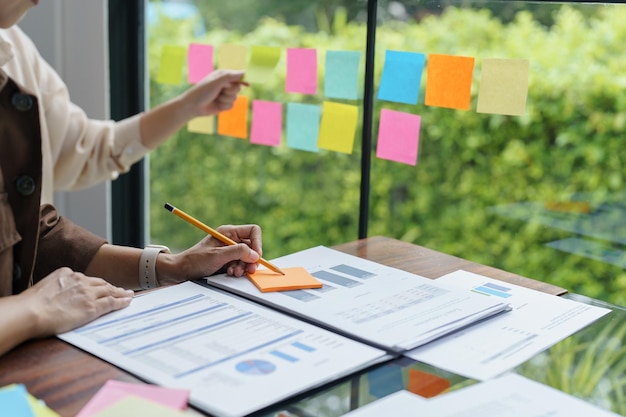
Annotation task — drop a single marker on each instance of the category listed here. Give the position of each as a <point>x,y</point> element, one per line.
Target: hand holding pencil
<point>216,234</point>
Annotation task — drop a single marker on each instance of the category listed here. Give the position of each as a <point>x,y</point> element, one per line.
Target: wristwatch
<point>147,266</point>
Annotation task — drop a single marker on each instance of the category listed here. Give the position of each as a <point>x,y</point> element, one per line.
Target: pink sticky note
<point>398,136</point>
<point>267,123</point>
<point>199,62</point>
<point>301,71</point>
<point>113,391</point>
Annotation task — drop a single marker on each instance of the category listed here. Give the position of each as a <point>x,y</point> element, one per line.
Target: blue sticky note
<point>341,74</point>
<point>385,380</point>
<point>14,401</point>
<point>303,126</point>
<point>402,74</point>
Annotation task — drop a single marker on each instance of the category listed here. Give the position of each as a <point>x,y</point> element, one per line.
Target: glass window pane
<point>539,193</point>
<point>299,193</point>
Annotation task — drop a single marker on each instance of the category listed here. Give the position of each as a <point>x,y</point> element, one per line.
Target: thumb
<point>241,252</point>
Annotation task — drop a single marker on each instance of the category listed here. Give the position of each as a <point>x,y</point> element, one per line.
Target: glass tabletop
<point>590,364</point>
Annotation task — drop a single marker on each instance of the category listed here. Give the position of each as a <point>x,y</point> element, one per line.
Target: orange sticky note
<point>425,384</point>
<point>296,278</point>
<point>234,122</point>
<point>449,81</point>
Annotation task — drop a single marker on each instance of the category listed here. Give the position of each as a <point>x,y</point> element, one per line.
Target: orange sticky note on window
<point>296,278</point>
<point>234,122</point>
<point>449,81</point>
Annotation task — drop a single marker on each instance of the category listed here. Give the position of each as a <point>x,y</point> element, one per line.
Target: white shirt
<point>77,152</point>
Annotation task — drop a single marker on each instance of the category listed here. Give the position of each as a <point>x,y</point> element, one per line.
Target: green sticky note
<point>263,61</point>
<point>171,64</point>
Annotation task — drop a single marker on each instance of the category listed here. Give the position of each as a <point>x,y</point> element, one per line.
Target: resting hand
<point>215,93</point>
<point>210,256</point>
<point>66,299</point>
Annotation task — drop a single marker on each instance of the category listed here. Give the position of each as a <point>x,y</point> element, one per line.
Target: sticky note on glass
<point>202,124</point>
<point>303,126</point>
<point>503,87</point>
<point>232,57</point>
<point>263,61</point>
<point>398,136</point>
<point>301,71</point>
<point>338,127</point>
<point>199,62</point>
<point>295,278</point>
<point>385,380</point>
<point>425,384</point>
<point>449,81</point>
<point>171,64</point>
<point>267,123</point>
<point>401,77</point>
<point>234,122</point>
<point>341,74</point>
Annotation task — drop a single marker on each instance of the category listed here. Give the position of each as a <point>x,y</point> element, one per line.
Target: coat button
<point>17,273</point>
<point>22,102</point>
<point>25,185</point>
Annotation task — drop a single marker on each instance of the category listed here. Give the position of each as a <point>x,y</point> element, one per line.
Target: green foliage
<point>568,144</point>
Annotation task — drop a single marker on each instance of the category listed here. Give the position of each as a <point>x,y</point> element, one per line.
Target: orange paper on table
<point>296,278</point>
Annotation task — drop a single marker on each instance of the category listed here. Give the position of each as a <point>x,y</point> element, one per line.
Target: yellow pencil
<point>224,239</point>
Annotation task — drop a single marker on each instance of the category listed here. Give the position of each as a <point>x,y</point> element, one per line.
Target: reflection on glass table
<point>591,365</point>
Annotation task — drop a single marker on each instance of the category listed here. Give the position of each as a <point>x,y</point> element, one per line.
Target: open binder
<point>239,351</point>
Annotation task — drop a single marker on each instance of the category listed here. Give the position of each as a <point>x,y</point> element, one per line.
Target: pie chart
<point>255,367</point>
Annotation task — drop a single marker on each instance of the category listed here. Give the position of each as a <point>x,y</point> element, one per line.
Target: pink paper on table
<point>114,390</point>
<point>398,136</point>
<point>301,70</point>
<point>199,62</point>
<point>267,123</point>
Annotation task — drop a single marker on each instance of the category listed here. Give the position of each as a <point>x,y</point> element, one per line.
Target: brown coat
<point>34,239</point>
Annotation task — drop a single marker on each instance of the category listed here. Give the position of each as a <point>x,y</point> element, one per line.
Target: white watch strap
<point>147,266</point>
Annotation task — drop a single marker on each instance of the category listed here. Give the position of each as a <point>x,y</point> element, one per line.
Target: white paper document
<point>536,322</point>
<point>381,305</point>
<point>508,396</point>
<point>234,357</point>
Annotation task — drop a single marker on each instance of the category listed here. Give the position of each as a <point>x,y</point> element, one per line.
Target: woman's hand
<point>66,299</point>
<point>210,256</point>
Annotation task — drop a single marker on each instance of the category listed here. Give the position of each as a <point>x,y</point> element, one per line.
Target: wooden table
<point>66,377</point>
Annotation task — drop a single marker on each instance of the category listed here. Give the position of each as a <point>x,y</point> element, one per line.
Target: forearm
<point>19,323</point>
<point>161,122</point>
<point>119,265</point>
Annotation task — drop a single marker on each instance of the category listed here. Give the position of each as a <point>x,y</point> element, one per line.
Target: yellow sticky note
<point>263,60</point>
<point>234,122</point>
<point>40,409</point>
<point>232,57</point>
<point>171,64</point>
<point>136,406</point>
<point>296,278</point>
<point>203,124</point>
<point>503,87</point>
<point>338,127</point>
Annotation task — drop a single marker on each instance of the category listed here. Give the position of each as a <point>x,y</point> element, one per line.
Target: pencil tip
<point>169,207</point>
